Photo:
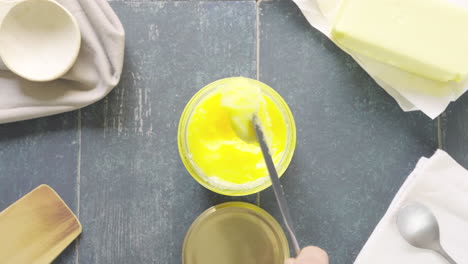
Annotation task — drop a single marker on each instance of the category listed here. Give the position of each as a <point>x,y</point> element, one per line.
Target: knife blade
<point>277,188</point>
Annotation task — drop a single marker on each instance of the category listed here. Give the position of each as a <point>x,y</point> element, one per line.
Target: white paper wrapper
<point>411,91</point>
<point>441,184</point>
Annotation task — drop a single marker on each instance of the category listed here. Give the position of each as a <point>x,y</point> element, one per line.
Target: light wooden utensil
<point>36,228</point>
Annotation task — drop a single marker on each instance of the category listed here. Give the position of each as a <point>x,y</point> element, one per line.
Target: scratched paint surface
<point>116,162</point>
<point>41,151</point>
<point>356,145</point>
<point>137,200</point>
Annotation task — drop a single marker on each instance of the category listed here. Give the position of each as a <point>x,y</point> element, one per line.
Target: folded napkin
<point>411,91</point>
<point>441,184</point>
<point>96,71</point>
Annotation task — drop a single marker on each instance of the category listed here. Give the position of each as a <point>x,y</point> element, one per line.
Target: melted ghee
<point>217,130</point>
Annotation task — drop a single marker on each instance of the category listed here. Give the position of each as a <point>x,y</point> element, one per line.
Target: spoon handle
<point>444,254</point>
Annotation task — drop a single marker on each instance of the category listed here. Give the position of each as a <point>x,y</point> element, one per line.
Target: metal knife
<point>277,188</point>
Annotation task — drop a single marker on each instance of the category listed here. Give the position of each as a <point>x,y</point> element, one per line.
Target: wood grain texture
<point>36,228</point>
<point>137,199</point>
<point>41,151</point>
<point>355,145</point>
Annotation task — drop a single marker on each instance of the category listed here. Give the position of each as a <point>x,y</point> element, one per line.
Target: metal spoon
<point>418,225</point>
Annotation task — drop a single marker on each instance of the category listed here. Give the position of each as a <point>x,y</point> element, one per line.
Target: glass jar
<point>233,233</point>
<point>198,174</point>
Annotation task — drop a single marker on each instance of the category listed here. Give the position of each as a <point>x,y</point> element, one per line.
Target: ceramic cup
<point>39,40</point>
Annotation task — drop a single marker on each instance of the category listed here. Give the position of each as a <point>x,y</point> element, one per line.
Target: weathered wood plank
<point>137,200</point>
<point>40,151</point>
<point>355,146</point>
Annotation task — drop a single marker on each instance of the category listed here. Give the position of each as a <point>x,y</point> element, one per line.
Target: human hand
<point>310,255</point>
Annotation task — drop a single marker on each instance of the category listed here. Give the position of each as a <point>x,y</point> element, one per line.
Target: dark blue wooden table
<point>116,162</point>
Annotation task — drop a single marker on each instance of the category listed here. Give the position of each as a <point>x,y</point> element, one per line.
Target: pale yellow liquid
<point>233,236</point>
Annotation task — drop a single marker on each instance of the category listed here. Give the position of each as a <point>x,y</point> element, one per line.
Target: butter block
<point>425,37</point>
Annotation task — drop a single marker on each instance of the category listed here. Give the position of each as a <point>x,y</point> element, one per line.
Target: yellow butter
<point>242,101</point>
<point>215,130</point>
<point>425,37</point>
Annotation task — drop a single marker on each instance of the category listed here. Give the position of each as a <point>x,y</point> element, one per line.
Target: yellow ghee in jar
<point>217,130</point>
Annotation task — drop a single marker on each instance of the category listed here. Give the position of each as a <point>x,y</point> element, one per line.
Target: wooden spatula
<point>36,228</point>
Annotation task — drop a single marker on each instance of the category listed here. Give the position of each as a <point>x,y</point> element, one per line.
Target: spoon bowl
<point>419,227</point>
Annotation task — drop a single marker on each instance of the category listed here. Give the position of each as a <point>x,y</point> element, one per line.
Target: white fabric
<point>96,71</point>
<point>441,184</point>
<point>409,90</point>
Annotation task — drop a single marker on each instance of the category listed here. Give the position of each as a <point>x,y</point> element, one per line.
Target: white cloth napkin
<point>441,184</point>
<point>409,90</point>
<point>96,71</point>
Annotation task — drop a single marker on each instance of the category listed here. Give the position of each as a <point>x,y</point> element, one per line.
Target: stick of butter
<point>425,37</point>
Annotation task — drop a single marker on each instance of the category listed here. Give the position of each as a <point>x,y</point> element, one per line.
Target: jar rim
<point>235,208</point>
<point>197,173</point>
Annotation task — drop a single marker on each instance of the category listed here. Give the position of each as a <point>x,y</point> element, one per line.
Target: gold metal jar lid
<point>235,233</point>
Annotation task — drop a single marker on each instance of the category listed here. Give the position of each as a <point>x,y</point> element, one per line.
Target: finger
<point>312,255</point>
<point>289,261</point>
